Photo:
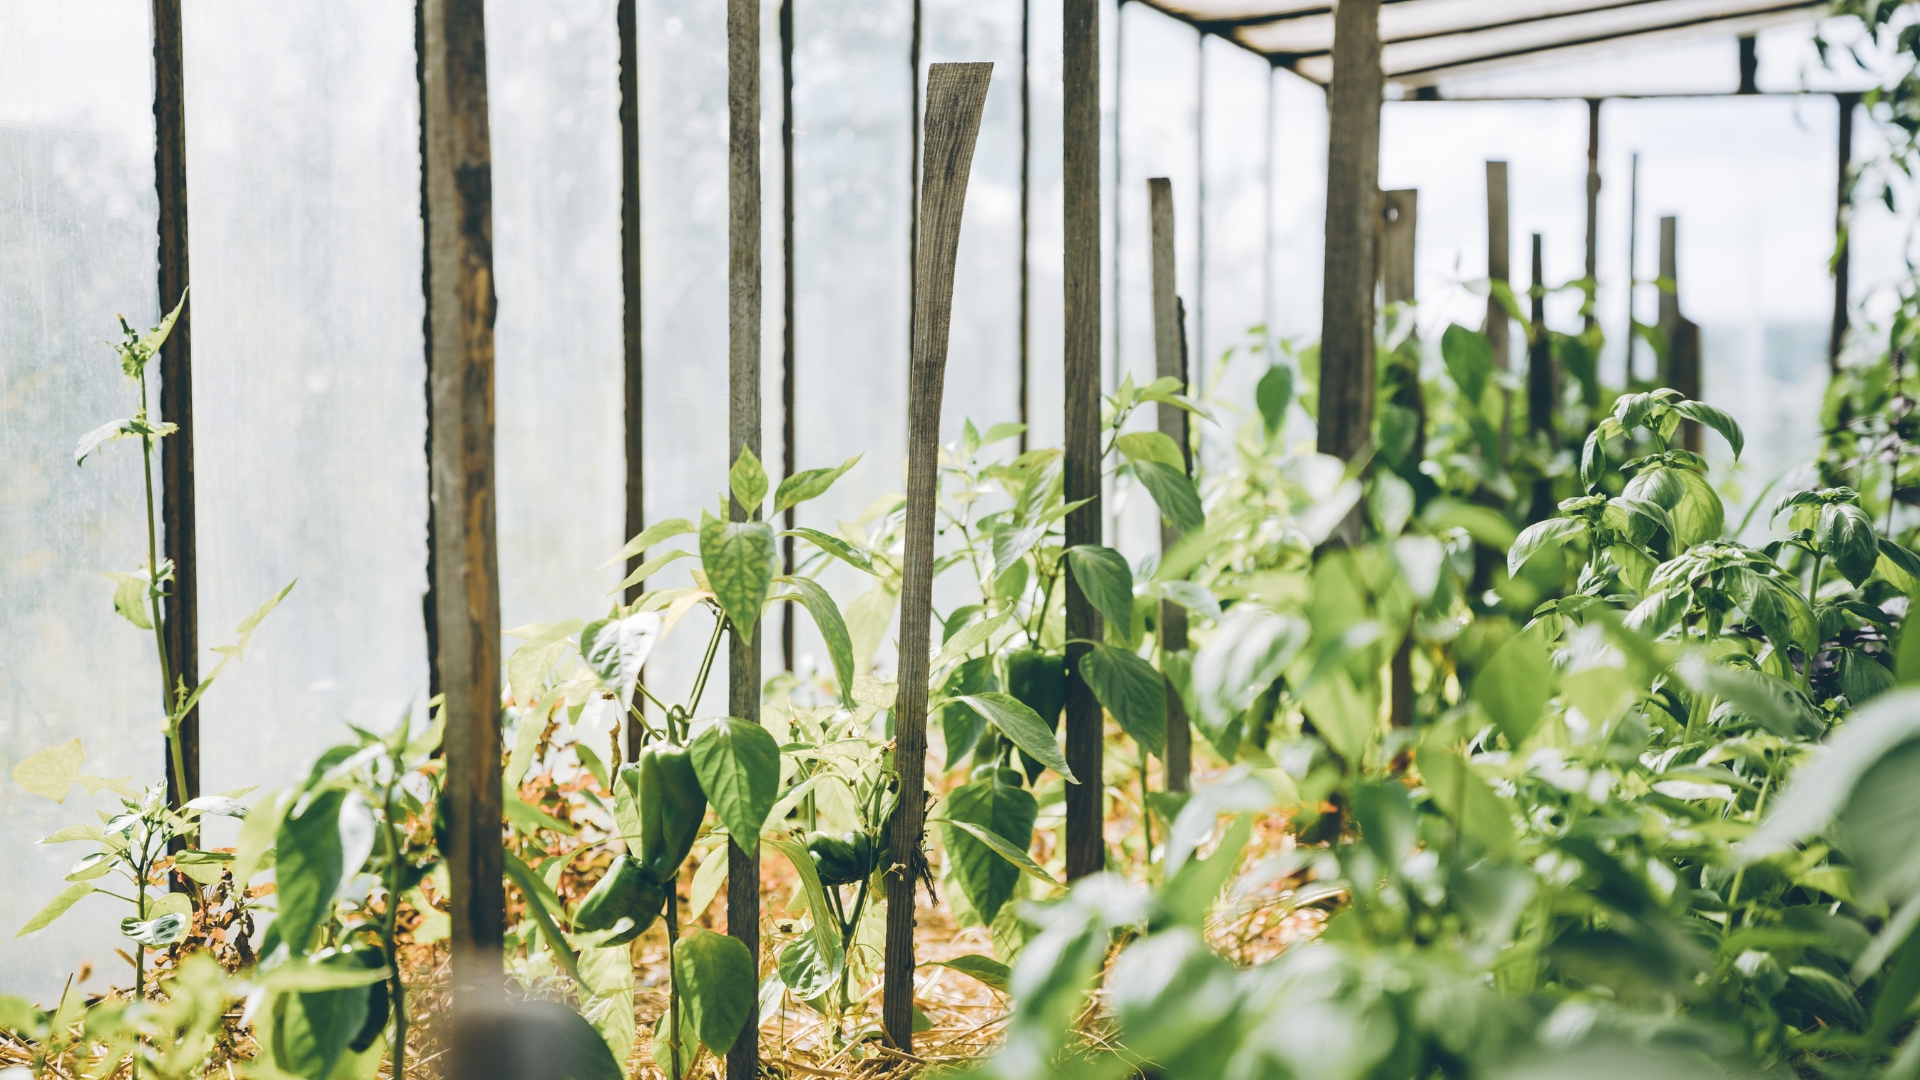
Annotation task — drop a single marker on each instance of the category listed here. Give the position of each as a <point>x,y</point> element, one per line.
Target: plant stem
<point>397,992</point>
<point>673,977</point>
<point>153,604</point>
<point>706,666</point>
<point>1146,812</point>
<point>1813,587</point>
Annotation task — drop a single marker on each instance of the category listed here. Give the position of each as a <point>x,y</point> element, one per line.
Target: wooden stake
<point>460,314</point>
<point>1541,383</point>
<point>1498,325</point>
<point>743,432</point>
<point>1080,174</point>
<point>1633,268</point>
<point>1593,205</point>
<point>1170,362</point>
<point>1400,216</point>
<point>1683,336</point>
<point>1842,257</point>
<point>626,23</point>
<point>1353,169</point>
<point>180,627</point>
<point>1026,215</point>
<point>956,96</point>
<point>789,437</point>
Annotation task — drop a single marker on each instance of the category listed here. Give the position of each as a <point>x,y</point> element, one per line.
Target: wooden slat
<point>1353,168</point>
<point>743,432</point>
<point>1026,221</point>
<point>1541,381</point>
<point>181,610</point>
<point>1682,335</point>
<point>1080,174</point>
<point>1498,326</point>
<point>789,436</point>
<point>626,24</point>
<point>1633,268</point>
<point>1842,256</point>
<point>1400,219</point>
<point>956,97</point>
<point>1593,200</point>
<point>1169,361</point>
<point>460,313</point>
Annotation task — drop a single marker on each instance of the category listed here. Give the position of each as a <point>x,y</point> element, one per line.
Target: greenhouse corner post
<point>956,96</point>
<point>743,433</point>
<point>181,630</point>
<point>460,313</point>
<point>626,20</point>
<point>1080,174</point>
<point>1170,361</point>
<point>1353,171</point>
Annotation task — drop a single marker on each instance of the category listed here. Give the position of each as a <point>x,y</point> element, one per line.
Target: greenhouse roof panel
<point>1424,41</point>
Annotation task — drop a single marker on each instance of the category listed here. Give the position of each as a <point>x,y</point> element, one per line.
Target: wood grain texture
<point>460,310</point>
<point>1169,361</point>
<point>956,97</point>
<point>789,388</point>
<point>1843,200</point>
<point>1633,268</point>
<point>1682,369</point>
<point>1026,221</point>
<point>743,432</point>
<point>1593,199</point>
<point>180,614</point>
<point>1542,381</point>
<point>626,25</point>
<point>1353,169</point>
<point>1499,267</point>
<point>1399,225</point>
<point>1080,135</point>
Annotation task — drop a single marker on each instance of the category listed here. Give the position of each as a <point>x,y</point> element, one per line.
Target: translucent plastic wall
<point>77,244</point>
<point>310,420</point>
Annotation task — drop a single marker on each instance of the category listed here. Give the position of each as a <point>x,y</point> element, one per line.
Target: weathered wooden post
<point>1593,206</point>
<point>1843,200</point>
<point>1086,850</point>
<point>1682,334</point>
<point>1498,324</point>
<point>743,433</point>
<point>1399,224</point>
<point>627,26</point>
<point>1541,382</point>
<point>458,272</point>
<point>1170,361</point>
<point>956,96</point>
<point>1353,169</point>
<point>1633,267</point>
<point>180,625</point>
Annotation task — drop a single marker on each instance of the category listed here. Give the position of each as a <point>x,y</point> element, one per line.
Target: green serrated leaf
<point>810,484</point>
<point>741,559</point>
<point>617,649</point>
<point>738,764</point>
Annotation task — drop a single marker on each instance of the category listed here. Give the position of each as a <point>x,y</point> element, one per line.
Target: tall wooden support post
<point>1080,135</point>
<point>1200,202</point>
<point>460,312</point>
<point>1541,381</point>
<point>1633,267</point>
<point>743,433</point>
<point>627,25</point>
<point>1353,169</point>
<point>1026,221</point>
<point>1749,65</point>
<point>180,629</point>
<point>956,96</point>
<point>1399,224</point>
<point>1681,333</point>
<point>1593,208</point>
<point>1843,199</point>
<point>789,436</point>
<point>1170,361</point>
<point>1499,268</point>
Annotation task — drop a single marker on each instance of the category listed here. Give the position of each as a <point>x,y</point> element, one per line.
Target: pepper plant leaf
<point>748,481</point>
<point>810,484</point>
<point>738,764</point>
<point>1132,691</point>
<point>617,649</point>
<point>1008,811</point>
<point>1106,580</point>
<point>1516,685</point>
<point>1023,726</point>
<point>832,627</point>
<point>1173,492</point>
<point>717,984</point>
<point>308,866</point>
<point>741,559</point>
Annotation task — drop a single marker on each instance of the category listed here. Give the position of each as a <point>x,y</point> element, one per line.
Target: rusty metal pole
<point>460,314</point>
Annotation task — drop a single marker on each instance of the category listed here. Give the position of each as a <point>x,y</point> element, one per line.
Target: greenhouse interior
<point>1376,533</point>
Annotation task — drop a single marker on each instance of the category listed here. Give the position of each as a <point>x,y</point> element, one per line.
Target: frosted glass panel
<point>553,103</point>
<point>303,175</point>
<point>77,241</point>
